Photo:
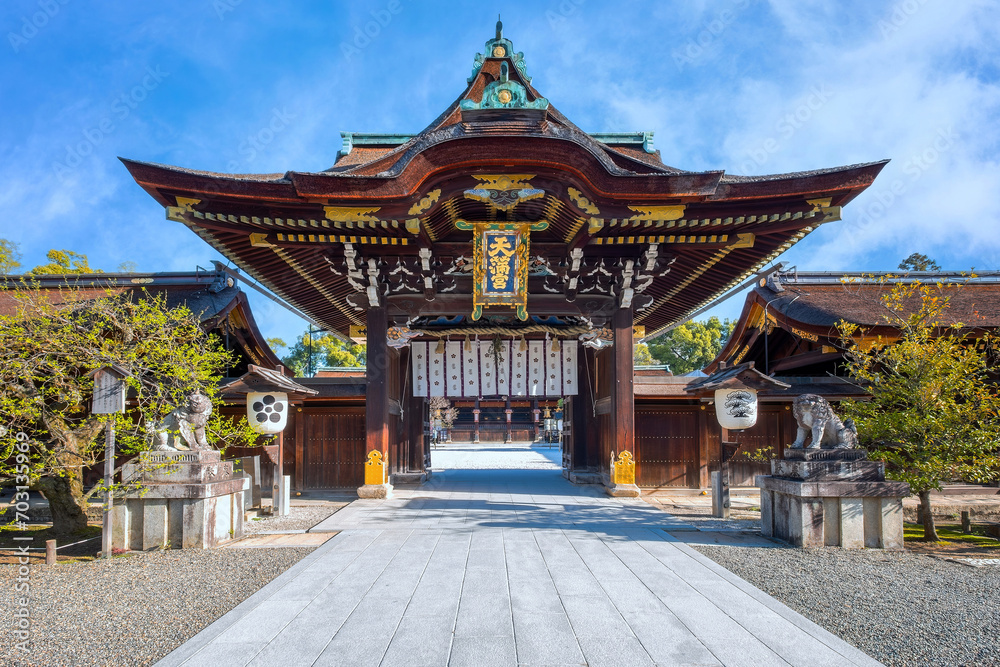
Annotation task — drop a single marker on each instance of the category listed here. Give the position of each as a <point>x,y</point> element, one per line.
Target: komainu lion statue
<point>185,424</point>
<point>814,415</point>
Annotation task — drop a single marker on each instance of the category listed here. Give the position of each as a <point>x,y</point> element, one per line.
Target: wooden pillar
<point>300,448</point>
<point>623,407</point>
<point>415,418</point>
<point>586,436</point>
<point>376,407</point>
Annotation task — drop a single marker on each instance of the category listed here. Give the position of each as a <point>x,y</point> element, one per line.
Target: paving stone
<point>509,567</point>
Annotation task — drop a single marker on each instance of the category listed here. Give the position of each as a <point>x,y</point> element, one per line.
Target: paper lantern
<point>267,411</point>
<point>736,408</point>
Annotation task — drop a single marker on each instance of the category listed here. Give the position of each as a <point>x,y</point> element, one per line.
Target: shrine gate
<point>502,255</point>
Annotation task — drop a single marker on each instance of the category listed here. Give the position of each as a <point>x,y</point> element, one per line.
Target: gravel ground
<point>900,608</point>
<point>698,512</point>
<point>135,609</point>
<point>300,517</point>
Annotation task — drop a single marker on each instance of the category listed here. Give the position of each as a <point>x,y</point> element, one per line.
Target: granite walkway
<point>485,567</point>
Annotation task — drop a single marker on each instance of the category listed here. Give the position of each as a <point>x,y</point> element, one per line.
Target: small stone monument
<point>829,494</point>
<point>186,496</point>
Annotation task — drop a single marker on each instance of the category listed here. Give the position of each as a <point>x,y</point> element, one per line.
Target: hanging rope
<point>505,331</point>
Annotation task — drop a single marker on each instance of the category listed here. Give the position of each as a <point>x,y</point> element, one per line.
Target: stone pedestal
<point>623,491</point>
<point>379,491</point>
<point>831,497</point>
<point>188,500</point>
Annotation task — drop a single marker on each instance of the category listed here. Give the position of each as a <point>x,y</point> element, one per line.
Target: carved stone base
<point>623,490</point>
<point>817,498</point>
<point>379,491</point>
<point>188,500</point>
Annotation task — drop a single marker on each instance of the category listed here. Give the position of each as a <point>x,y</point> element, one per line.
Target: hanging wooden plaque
<point>500,264</point>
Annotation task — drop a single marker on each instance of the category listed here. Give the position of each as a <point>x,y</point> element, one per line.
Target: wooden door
<point>334,448</point>
<point>667,446</point>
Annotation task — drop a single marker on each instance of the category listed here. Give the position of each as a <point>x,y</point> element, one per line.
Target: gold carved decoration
<point>582,202</point>
<point>504,181</point>
<point>187,204</point>
<point>623,470</point>
<point>805,335</point>
<point>499,52</point>
<point>504,96</point>
<point>350,214</point>
<point>596,225</point>
<point>184,205</point>
<point>425,203</point>
<point>658,212</point>
<point>742,353</point>
<point>375,469</point>
<point>260,241</point>
<point>819,204</point>
<point>413,226</point>
<point>503,191</point>
<point>746,240</point>
<point>357,333</point>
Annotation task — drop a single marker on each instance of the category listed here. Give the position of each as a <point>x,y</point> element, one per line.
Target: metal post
<point>109,476</point>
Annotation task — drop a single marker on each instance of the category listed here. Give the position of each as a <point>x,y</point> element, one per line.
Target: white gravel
<point>900,608</point>
<point>299,517</point>
<point>132,610</point>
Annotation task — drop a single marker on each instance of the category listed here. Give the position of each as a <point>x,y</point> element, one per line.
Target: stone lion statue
<point>185,424</point>
<point>815,416</point>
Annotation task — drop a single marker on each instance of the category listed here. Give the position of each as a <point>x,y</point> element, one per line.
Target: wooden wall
<point>668,445</point>
<point>677,444</point>
<point>329,447</point>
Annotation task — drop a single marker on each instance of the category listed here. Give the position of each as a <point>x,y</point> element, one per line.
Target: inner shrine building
<point>502,259</point>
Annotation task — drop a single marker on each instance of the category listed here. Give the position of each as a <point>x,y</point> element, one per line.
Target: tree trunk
<point>927,517</point>
<point>65,496</point>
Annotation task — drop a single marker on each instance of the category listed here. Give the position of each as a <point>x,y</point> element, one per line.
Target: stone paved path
<point>485,567</point>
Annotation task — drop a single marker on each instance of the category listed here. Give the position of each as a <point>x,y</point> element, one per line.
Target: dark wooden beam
<point>461,304</point>
<point>805,359</point>
<point>376,375</point>
<point>622,390</point>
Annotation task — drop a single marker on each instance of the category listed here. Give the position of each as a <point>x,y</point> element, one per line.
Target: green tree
<point>314,350</point>
<point>691,346</point>
<point>918,262</point>
<point>934,413</point>
<point>64,261</point>
<point>10,257</point>
<point>47,350</point>
<point>642,357</point>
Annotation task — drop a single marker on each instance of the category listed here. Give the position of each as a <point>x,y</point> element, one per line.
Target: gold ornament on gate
<point>375,468</point>
<point>623,470</point>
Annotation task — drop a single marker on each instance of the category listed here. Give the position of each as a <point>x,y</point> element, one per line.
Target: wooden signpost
<point>109,398</point>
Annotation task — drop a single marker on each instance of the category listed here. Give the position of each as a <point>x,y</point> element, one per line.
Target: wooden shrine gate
<point>500,220</point>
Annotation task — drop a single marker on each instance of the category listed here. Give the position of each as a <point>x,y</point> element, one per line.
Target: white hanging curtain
<point>460,373</point>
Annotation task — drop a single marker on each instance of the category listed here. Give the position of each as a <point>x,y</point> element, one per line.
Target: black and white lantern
<point>267,412</point>
<point>736,409</point>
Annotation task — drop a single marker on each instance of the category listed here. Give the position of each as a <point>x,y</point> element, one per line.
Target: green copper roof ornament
<point>505,94</point>
<point>500,47</point>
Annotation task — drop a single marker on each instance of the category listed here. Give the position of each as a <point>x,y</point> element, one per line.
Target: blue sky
<point>748,86</point>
